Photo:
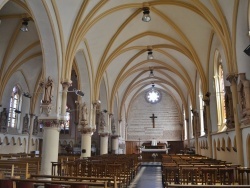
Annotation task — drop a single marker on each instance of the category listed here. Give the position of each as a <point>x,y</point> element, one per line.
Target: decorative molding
<point>234,148</point>
<point>228,149</point>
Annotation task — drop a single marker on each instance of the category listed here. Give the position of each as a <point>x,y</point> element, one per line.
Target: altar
<point>152,151</point>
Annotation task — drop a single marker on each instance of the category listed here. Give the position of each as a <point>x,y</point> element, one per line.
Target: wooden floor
<point>149,176</point>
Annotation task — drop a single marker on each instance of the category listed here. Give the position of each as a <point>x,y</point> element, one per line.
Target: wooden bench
<point>15,170</point>
<point>40,182</point>
<point>108,180</point>
<point>208,186</point>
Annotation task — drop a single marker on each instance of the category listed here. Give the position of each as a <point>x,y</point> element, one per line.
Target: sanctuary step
<point>149,176</point>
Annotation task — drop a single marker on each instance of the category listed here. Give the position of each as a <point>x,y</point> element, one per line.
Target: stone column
<point>86,142</point>
<point>65,85</point>
<point>104,143</point>
<point>51,128</point>
<point>232,78</point>
<point>206,100</point>
<point>196,129</point>
<point>30,132</point>
<point>115,144</point>
<point>188,132</point>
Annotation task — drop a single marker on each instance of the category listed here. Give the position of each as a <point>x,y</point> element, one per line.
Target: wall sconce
<point>247,50</point>
<point>146,14</point>
<point>24,27</point>
<point>105,111</point>
<point>77,92</point>
<point>27,94</point>
<point>17,111</point>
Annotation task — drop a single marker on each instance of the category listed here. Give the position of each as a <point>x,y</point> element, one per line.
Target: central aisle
<point>149,176</point>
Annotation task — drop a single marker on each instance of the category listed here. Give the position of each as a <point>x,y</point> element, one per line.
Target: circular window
<point>153,96</point>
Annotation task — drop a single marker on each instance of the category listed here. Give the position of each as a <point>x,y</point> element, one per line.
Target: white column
<point>86,144</point>
<point>104,144</point>
<point>232,78</point>
<point>115,144</point>
<point>50,148</point>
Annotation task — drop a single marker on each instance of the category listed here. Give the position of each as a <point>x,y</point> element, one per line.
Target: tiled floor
<point>149,176</point>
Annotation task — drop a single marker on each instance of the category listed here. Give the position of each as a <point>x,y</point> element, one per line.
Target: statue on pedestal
<point>48,90</point>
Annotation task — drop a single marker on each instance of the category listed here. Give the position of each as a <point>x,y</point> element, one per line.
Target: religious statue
<point>35,126</point>
<point>102,123</point>
<point>3,120</point>
<point>25,123</point>
<point>48,90</point>
<point>83,112</point>
<point>229,108</point>
<point>113,128</point>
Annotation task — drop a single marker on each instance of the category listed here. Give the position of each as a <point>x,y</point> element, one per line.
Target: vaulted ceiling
<point>115,41</point>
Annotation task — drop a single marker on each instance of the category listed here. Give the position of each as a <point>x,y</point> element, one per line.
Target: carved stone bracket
<point>46,109</point>
<point>232,77</point>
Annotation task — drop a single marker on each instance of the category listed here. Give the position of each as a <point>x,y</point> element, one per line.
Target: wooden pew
<point>15,170</point>
<point>107,180</point>
<point>208,186</point>
<point>39,182</point>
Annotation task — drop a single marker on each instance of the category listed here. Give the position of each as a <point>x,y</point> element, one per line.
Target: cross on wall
<point>153,119</point>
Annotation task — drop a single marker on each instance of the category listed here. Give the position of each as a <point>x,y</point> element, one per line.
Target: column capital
<point>66,83</point>
<point>104,134</point>
<point>88,130</point>
<point>96,102</point>
<point>53,123</point>
<point>31,115</point>
<point>232,77</point>
<point>115,136</point>
<point>111,114</point>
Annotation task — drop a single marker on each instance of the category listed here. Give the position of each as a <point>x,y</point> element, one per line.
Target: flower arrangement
<point>154,155</point>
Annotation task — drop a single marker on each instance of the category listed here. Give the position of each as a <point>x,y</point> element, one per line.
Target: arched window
<point>201,110</point>
<point>66,125</point>
<point>185,126</point>
<point>14,107</point>
<point>220,92</point>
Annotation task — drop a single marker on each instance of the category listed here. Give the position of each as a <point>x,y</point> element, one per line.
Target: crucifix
<point>153,119</point>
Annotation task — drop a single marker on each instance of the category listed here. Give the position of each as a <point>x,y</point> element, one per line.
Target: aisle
<point>149,176</point>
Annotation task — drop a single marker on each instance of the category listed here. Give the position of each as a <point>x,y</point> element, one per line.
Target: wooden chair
<point>226,176</point>
<point>172,175</point>
<point>189,176</point>
<point>48,185</point>
<point>209,176</point>
<point>20,184</point>
<point>244,176</point>
<point>79,186</point>
<point>6,183</point>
